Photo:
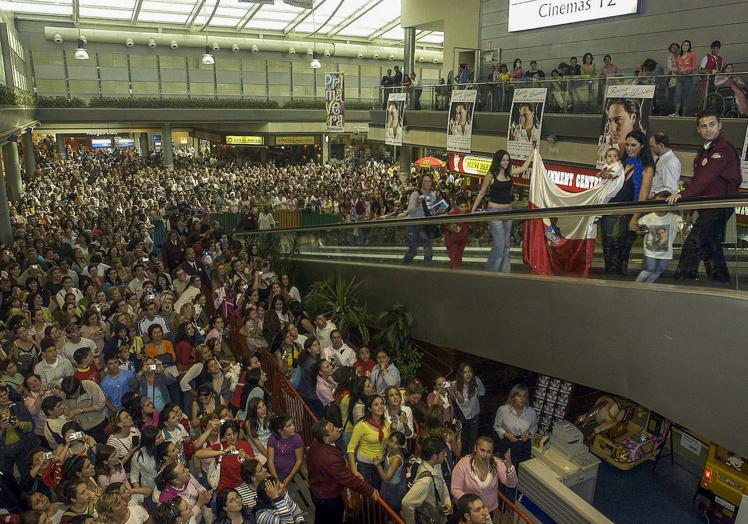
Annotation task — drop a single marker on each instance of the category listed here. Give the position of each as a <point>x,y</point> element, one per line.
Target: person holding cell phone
<point>125,438</point>
<point>516,424</point>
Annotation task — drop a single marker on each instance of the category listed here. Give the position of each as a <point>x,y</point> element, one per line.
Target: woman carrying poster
<point>622,116</point>
<point>498,184</point>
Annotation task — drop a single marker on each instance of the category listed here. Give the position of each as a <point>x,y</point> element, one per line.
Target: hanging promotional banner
<point>525,121</point>
<point>744,161</point>
<point>256,1</point>
<point>334,102</point>
<point>393,127</point>
<point>460,123</point>
<point>627,108</point>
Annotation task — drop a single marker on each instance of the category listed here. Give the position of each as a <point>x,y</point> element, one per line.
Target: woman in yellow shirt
<point>369,441</point>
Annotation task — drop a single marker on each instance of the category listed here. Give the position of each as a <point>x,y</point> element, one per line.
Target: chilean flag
<point>564,245</point>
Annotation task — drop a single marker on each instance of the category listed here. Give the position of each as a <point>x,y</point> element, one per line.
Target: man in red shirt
<point>329,475</point>
<point>716,172</point>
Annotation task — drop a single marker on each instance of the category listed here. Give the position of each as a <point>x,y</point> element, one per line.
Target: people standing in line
<point>498,184</point>
<point>468,390</point>
<point>619,231</point>
<point>716,173</point>
<point>667,165</point>
<point>329,475</point>
<point>481,473</point>
<point>516,424</point>
<point>686,65</point>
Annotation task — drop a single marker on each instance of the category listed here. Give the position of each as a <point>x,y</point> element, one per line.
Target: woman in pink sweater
<point>686,64</point>
<point>480,473</point>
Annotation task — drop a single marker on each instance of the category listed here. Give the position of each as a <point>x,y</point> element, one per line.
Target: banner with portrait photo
<point>627,108</point>
<point>460,122</point>
<point>335,102</point>
<point>525,121</point>
<point>393,125</point>
<point>744,162</point>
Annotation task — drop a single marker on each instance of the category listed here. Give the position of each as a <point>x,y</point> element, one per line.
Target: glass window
<point>229,90</point>
<point>172,62</point>
<point>110,60</point>
<point>143,61</point>
<point>173,88</point>
<point>48,57</point>
<point>51,87</point>
<point>145,88</point>
<point>113,87</point>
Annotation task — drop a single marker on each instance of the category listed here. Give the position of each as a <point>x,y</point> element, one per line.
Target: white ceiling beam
<point>353,17</point>
<point>195,12</point>
<point>136,11</point>
<point>385,28</point>
<point>251,12</point>
<point>301,17</point>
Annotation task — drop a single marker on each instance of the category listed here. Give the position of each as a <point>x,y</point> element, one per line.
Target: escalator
<point>673,346</point>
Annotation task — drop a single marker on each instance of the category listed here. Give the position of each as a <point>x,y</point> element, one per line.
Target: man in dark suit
<point>173,251</point>
<point>194,267</point>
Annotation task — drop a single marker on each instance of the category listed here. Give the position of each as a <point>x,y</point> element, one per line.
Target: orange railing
<point>360,509</point>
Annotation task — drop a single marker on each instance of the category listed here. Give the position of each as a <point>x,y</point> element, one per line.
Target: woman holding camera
<point>399,417</point>
<point>230,454</point>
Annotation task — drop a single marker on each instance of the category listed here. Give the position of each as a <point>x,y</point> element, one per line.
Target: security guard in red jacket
<point>716,172</point>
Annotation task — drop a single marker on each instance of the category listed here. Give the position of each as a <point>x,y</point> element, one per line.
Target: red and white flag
<point>564,245</point>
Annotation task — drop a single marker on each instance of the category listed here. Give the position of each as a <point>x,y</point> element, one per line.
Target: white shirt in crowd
<point>344,356</point>
<point>667,173</point>
<point>323,334</point>
<point>507,420</point>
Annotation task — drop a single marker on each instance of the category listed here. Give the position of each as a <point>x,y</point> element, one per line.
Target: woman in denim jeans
<point>498,184</point>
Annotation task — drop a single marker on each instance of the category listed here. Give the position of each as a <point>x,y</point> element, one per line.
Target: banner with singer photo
<point>393,125</point>
<point>744,162</point>
<point>460,123</point>
<point>525,121</point>
<point>335,102</point>
<point>627,108</point>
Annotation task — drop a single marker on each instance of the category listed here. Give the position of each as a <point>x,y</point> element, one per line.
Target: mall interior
<point>235,285</point>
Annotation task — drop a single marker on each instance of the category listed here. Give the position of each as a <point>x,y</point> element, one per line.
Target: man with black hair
<point>471,510</point>
<point>329,475</point>
<point>253,474</point>
<point>429,492</point>
<point>716,172</point>
<point>667,166</point>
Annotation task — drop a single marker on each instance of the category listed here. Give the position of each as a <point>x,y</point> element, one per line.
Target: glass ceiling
<point>373,20</point>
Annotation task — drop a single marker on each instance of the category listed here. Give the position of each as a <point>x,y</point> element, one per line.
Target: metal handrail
<point>624,208</point>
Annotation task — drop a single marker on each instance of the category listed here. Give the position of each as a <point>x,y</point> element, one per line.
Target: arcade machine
<point>724,484</point>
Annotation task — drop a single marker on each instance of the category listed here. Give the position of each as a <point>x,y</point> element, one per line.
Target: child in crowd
<point>364,364</point>
<point>285,449</point>
<point>613,167</point>
<point>456,235</point>
<point>661,228</point>
<point>392,472</point>
<point>85,370</point>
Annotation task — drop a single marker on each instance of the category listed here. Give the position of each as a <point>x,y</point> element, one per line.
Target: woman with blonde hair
<point>516,424</point>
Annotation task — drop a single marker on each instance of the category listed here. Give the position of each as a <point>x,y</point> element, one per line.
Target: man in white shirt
<point>429,486</point>
<point>667,167</point>
<point>75,341</point>
<point>52,368</point>
<point>322,330</point>
<point>338,352</point>
<point>149,319</point>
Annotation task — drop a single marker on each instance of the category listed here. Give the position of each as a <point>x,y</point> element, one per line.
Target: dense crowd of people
<point>125,399</point>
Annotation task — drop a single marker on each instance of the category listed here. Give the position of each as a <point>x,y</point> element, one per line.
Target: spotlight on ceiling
<point>315,63</point>
<point>81,53</point>
<point>207,58</point>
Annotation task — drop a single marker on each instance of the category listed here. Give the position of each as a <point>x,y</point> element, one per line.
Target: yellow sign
<point>476,165</point>
<point>245,140</point>
<point>294,140</point>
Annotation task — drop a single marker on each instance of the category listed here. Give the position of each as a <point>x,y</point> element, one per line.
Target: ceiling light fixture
<point>81,53</point>
<point>207,58</point>
<point>315,63</point>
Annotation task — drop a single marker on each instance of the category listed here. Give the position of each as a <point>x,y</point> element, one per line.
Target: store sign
<point>245,140</point>
<point>204,135</point>
<point>294,140</point>
<point>532,14</point>
<point>573,179</point>
<point>99,143</point>
<point>123,142</point>
<point>741,215</point>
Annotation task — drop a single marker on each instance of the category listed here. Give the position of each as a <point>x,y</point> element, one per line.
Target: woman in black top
<point>498,184</point>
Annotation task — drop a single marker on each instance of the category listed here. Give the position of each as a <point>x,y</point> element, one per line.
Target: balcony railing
<point>725,93</point>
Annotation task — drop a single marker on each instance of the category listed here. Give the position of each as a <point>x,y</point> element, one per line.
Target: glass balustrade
<point>725,93</point>
<point>703,242</point>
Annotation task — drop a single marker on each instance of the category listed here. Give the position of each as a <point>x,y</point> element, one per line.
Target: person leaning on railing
<point>329,475</point>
